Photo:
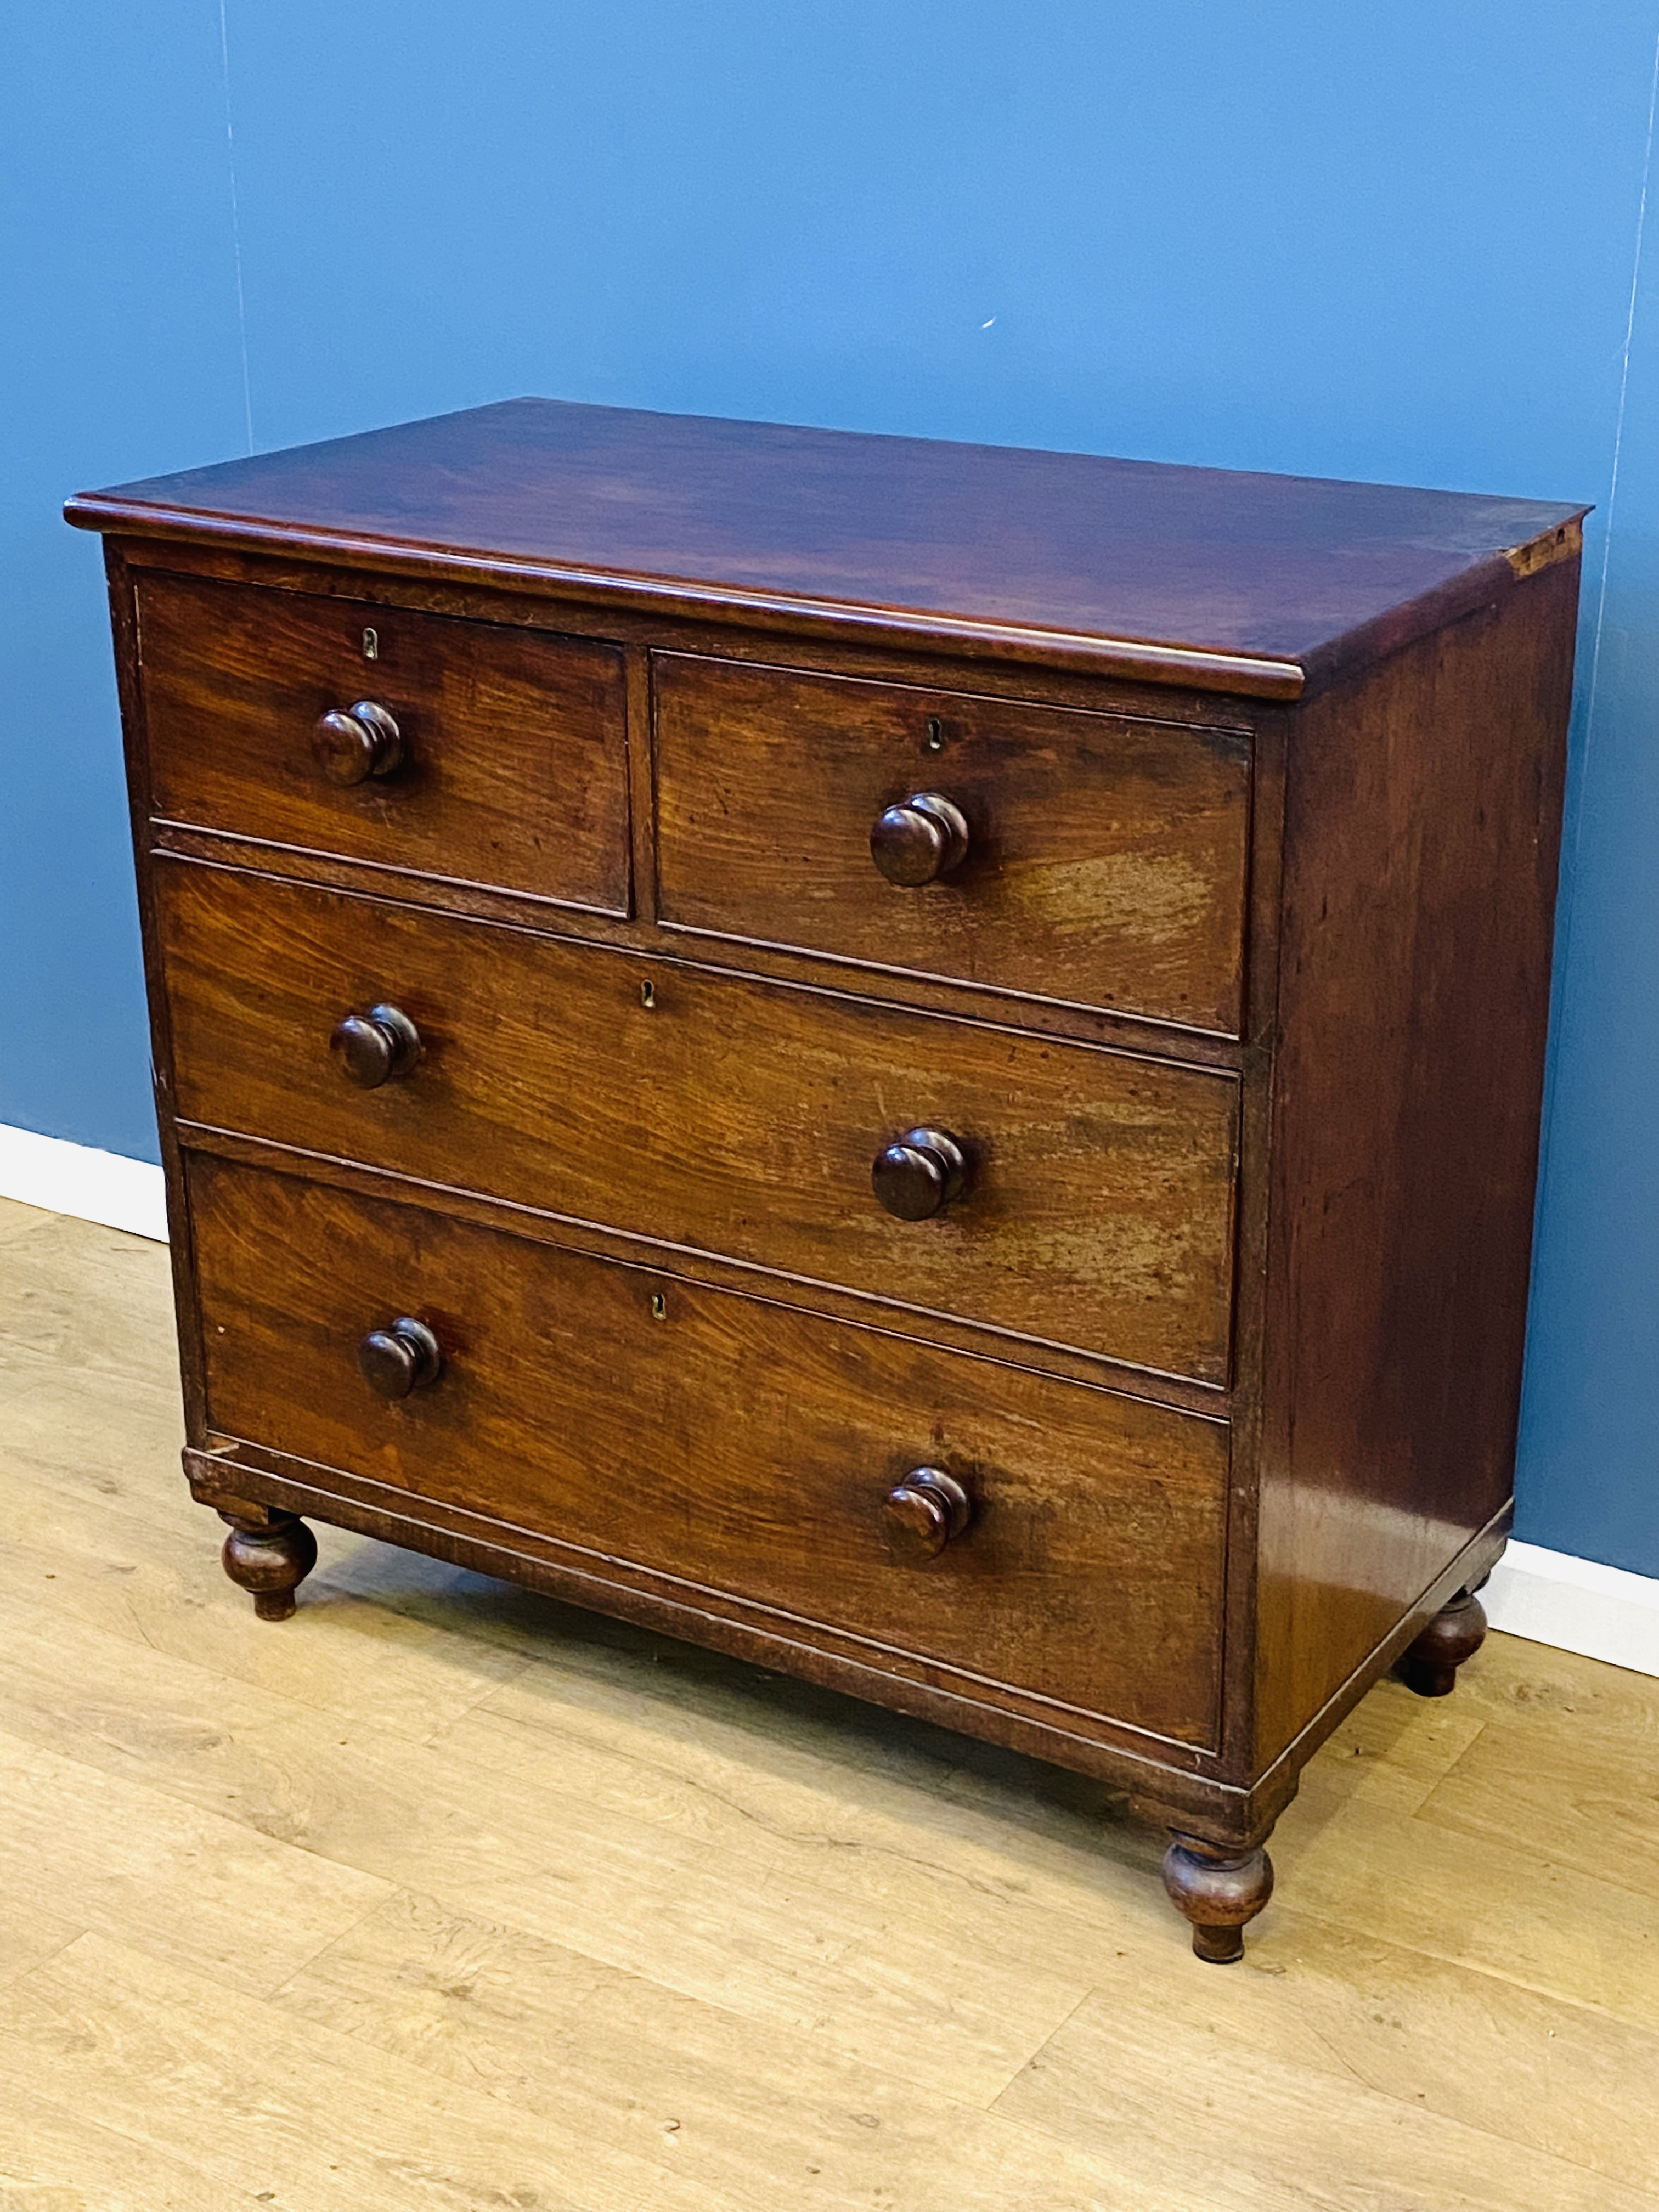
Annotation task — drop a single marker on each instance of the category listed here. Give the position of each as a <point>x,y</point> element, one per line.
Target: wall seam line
<point>236,223</point>
<point>1593,685</point>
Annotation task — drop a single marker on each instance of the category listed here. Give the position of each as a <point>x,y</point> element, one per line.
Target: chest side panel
<point>1422,828</point>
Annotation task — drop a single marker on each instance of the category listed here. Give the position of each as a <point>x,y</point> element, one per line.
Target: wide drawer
<point>1105,859</point>
<point>513,769</point>
<point>727,1447</point>
<point>735,1117</point>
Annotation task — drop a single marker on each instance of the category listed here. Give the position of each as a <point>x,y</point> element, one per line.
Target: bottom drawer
<point>741,1448</point>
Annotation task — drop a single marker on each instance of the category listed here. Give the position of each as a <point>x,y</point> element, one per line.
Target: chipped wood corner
<point>217,1479</point>
<point>1564,543</point>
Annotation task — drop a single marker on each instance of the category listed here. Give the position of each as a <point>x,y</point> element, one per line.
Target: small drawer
<point>575,1398</point>
<point>508,766</point>
<point>1089,858</point>
<point>700,1108</point>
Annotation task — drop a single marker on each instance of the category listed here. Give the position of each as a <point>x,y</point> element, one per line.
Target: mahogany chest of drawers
<point>919,1061</point>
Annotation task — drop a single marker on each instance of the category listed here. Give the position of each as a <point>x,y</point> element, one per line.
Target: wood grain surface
<point>577,1398</point>
<point>1423,819</point>
<point>735,1116</point>
<point>1231,580</point>
<point>1106,862</point>
<point>514,771</point>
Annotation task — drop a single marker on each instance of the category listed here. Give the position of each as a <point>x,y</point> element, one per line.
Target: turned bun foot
<point>1455,1633</point>
<point>269,1557</point>
<point>1218,1891</point>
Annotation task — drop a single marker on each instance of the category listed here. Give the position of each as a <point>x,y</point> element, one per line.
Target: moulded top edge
<point>1223,580</point>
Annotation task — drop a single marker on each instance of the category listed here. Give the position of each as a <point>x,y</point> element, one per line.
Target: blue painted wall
<point>1321,237</point>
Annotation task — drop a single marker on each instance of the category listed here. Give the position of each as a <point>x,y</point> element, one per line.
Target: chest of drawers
<point>921,1063</point>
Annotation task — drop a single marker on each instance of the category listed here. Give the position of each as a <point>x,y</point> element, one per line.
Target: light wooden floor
<point>443,1897</point>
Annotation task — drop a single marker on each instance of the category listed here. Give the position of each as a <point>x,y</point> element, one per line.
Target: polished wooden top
<point>1231,581</point>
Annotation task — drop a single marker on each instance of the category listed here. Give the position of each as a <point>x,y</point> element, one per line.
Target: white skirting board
<point>1548,1597</point>
<point>1576,1605</point>
<point>79,1179</point>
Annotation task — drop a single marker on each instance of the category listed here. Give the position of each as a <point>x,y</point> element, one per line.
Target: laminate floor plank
<point>28,1935</point>
<point>744,1927</point>
<point>1571,1807</point>
<point>1564,1695</point>
<point>884,1809</point>
<point>87,1297</point>
<point>99,1851</point>
<point>1060,1897</point>
<point>1389,1755</point>
<point>769,2120</point>
<point>18,1220</point>
<point>1499,1907</point>
<point>1560,2077</point>
<point>313,2120</point>
<point>1237,2129</point>
<point>57,2157</point>
<point>93,1438</point>
<point>114,1569</point>
<point>1567,1765</point>
<point>899,1995</point>
<point>553,2030</point>
<point>709,1745</point>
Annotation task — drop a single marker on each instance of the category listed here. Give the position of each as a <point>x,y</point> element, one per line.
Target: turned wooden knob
<point>404,1355</point>
<point>920,839</point>
<point>354,743</point>
<point>373,1047</point>
<point>926,1510</point>
<point>918,1173</point>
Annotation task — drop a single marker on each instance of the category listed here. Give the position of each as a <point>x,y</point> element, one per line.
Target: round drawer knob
<point>354,743</point>
<point>404,1355</point>
<point>918,1173</point>
<point>373,1047</point>
<point>926,1510</point>
<point>920,839</point>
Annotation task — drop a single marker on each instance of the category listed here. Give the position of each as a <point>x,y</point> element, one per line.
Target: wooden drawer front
<point>1106,857</point>
<point>514,771</point>
<point>728,1444</point>
<point>737,1116</point>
